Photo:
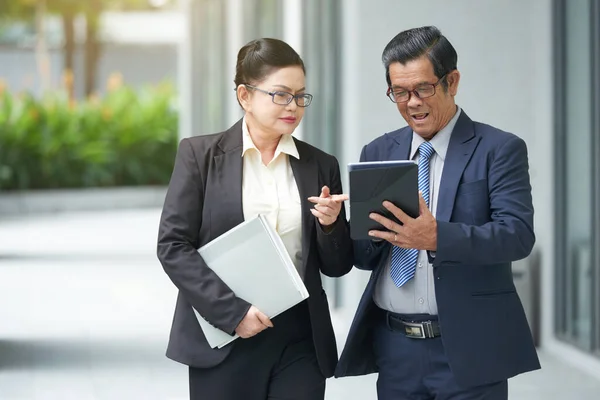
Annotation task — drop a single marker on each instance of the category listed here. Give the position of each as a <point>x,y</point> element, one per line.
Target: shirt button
<point>420,265</point>
<point>421,301</point>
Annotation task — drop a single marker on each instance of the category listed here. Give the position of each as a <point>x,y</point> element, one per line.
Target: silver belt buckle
<point>414,330</point>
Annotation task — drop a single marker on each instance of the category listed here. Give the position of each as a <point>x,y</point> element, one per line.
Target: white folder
<point>253,261</point>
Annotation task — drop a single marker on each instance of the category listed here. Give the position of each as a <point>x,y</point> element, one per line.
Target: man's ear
<point>453,78</point>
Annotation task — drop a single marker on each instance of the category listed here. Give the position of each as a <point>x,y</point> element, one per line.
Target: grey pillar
<point>202,54</point>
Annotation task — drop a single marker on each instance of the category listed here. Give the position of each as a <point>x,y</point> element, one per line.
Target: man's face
<point>426,116</point>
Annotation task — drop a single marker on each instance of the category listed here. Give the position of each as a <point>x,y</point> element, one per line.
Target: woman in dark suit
<point>220,180</point>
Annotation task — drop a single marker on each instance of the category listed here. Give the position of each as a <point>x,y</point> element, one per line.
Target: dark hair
<point>260,57</point>
<point>414,43</point>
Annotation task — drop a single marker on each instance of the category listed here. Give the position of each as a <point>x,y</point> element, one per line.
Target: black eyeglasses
<point>285,98</point>
<point>401,95</point>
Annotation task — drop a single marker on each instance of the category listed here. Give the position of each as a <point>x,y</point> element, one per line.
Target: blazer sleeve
<point>509,236</point>
<point>178,241</point>
<point>335,247</point>
<point>368,253</point>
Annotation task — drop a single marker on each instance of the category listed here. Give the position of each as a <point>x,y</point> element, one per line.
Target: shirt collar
<point>286,143</point>
<point>440,141</point>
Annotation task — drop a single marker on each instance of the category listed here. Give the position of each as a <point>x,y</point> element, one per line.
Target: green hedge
<point>126,138</point>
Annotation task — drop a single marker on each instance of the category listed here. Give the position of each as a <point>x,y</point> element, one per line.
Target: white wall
<point>499,57</point>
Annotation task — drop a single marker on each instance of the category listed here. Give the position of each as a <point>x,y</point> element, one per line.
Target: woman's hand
<point>253,323</point>
<point>327,206</point>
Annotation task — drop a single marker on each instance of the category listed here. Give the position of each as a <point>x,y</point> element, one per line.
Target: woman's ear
<point>243,95</point>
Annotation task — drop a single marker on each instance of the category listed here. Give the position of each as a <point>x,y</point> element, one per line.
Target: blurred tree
<point>35,10</point>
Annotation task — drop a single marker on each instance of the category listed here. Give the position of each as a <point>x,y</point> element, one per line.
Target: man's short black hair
<point>414,43</point>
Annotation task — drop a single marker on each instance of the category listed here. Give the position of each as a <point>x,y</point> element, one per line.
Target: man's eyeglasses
<point>401,95</point>
<point>285,98</point>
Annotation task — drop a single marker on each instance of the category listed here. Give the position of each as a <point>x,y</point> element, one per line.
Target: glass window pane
<point>595,38</point>
<point>321,48</point>
<point>321,123</point>
<point>209,84</point>
<point>263,18</point>
<point>579,184</point>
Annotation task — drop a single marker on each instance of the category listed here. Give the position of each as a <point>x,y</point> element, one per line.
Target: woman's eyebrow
<point>289,88</point>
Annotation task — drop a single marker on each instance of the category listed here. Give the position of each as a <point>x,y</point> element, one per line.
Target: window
<point>321,124</point>
<point>263,18</point>
<point>577,133</point>
<point>206,89</point>
<point>321,52</point>
<point>211,34</point>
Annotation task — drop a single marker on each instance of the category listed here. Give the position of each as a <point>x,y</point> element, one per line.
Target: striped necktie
<point>404,261</point>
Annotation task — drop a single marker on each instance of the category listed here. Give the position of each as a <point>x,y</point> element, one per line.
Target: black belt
<point>415,330</point>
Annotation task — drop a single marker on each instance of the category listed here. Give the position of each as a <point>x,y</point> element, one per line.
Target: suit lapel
<point>228,177</point>
<point>403,140</point>
<point>460,149</point>
<point>306,175</point>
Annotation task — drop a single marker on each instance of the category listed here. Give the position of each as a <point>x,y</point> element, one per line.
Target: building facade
<point>531,68</point>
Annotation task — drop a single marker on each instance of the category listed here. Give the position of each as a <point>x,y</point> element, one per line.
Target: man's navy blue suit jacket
<point>485,222</point>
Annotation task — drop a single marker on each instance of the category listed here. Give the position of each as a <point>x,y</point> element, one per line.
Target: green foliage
<point>126,138</point>
<point>19,9</point>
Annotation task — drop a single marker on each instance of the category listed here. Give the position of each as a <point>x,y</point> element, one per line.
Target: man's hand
<point>416,233</point>
<point>253,323</point>
<point>327,206</point>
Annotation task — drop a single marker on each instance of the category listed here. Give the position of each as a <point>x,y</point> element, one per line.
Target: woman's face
<point>274,119</point>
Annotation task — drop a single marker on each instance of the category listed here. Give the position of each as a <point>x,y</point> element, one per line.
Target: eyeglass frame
<point>294,97</point>
<point>414,91</point>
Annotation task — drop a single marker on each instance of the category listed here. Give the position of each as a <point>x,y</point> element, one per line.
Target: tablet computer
<point>375,181</point>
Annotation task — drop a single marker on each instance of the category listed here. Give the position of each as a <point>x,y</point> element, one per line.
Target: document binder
<point>253,261</point>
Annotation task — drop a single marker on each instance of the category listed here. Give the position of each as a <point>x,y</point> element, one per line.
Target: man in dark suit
<point>440,318</point>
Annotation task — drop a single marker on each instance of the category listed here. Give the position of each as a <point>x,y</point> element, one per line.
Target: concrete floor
<point>85,311</point>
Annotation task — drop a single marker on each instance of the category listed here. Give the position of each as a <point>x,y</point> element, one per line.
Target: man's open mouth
<point>420,116</point>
